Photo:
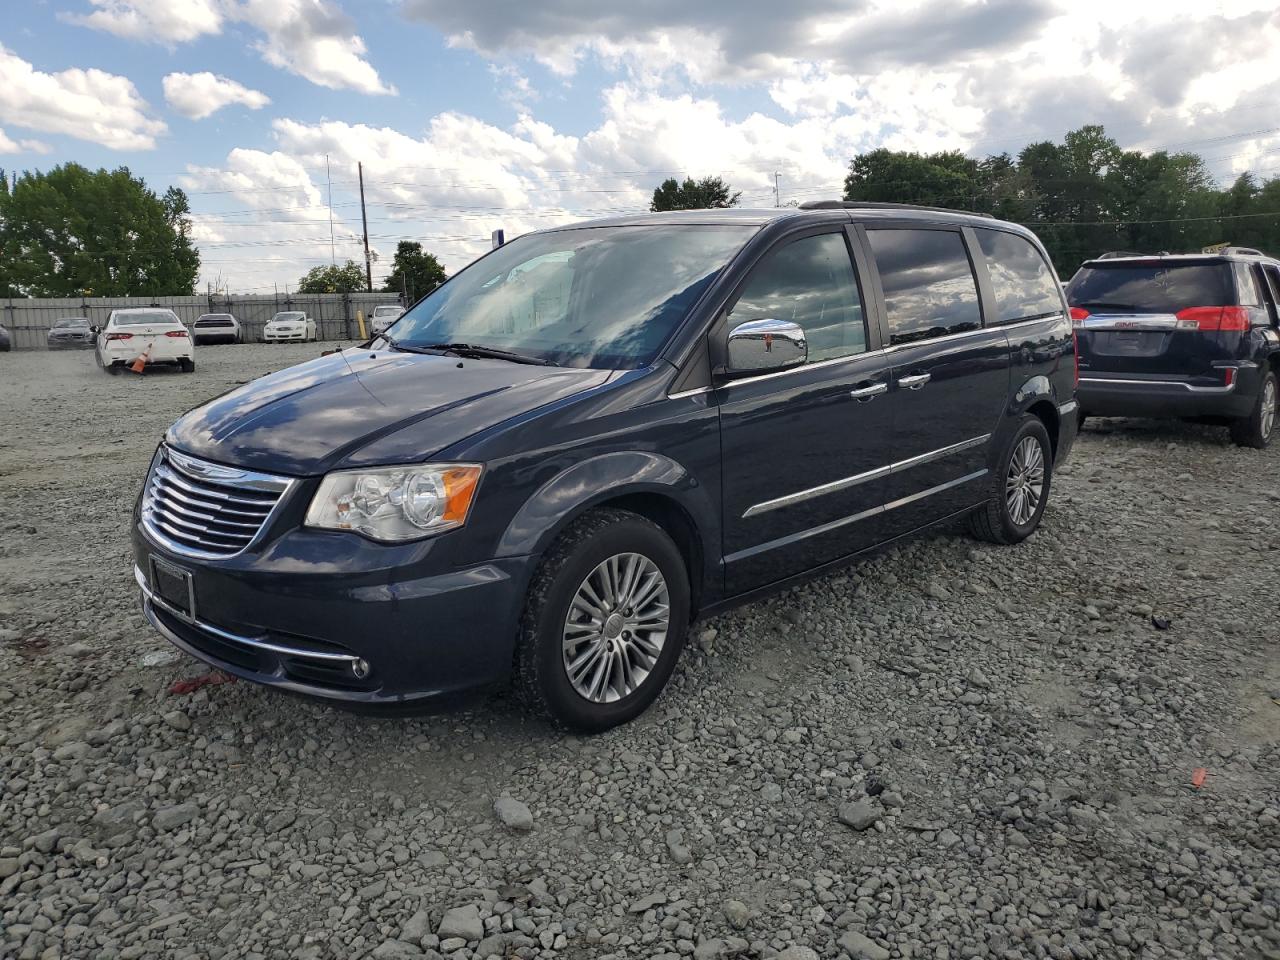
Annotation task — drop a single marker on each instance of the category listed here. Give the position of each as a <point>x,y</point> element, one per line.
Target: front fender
<point>578,487</point>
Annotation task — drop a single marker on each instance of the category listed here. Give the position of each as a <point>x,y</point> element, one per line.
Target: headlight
<point>395,503</point>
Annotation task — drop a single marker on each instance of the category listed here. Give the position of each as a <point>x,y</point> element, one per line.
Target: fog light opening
<point>360,669</point>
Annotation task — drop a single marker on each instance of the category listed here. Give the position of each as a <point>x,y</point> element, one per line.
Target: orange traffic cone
<point>138,365</point>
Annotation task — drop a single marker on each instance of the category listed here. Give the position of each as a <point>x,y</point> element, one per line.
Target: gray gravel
<point>952,750</point>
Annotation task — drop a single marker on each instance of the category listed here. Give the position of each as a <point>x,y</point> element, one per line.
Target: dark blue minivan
<point>596,433</point>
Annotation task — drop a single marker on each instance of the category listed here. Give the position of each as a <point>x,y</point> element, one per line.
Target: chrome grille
<point>205,509</point>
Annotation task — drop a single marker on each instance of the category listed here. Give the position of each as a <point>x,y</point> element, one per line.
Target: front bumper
<point>271,336</point>
<point>1137,396</point>
<point>69,343</point>
<point>330,615</point>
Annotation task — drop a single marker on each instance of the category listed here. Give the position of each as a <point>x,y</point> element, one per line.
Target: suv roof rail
<point>877,205</point>
<point>1113,254</point>
<point>1242,252</point>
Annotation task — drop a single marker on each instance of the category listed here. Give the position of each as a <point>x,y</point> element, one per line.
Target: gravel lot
<point>950,751</point>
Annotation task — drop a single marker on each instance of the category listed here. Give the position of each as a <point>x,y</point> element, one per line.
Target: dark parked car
<point>1189,335</point>
<point>593,435</point>
<point>215,328</point>
<point>71,332</point>
<point>6,341</point>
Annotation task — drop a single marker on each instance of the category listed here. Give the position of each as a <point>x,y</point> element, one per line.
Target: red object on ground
<point>210,679</point>
<point>1197,777</point>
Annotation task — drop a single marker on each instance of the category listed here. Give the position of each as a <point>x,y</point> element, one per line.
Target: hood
<point>357,408</point>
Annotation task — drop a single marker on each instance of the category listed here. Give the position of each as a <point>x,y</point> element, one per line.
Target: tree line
<point>70,231</point>
<point>1083,197</point>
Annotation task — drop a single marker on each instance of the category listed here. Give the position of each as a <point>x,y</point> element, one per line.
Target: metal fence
<point>29,320</point>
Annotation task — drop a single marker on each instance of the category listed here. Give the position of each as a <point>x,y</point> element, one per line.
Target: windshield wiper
<point>488,353</point>
<point>411,347</point>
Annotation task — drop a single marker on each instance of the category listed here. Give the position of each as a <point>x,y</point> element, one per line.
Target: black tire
<point>1257,429</point>
<point>541,677</point>
<point>993,522</point>
<point>187,365</point>
<point>1081,417</point>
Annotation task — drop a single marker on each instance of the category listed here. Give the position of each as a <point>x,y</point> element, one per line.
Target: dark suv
<point>548,467</point>
<point>1188,335</point>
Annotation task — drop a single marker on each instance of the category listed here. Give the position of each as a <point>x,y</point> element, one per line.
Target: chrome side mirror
<point>759,346</point>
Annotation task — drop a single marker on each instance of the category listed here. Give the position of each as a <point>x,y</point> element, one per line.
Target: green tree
<point>347,278</point>
<point>1083,196</point>
<point>707,193</point>
<point>71,231</point>
<point>414,272</point>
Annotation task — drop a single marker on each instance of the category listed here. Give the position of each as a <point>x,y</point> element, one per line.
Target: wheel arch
<point>1038,397</point>
<point>644,482</point>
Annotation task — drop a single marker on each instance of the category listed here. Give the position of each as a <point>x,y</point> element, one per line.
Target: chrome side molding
<point>845,483</point>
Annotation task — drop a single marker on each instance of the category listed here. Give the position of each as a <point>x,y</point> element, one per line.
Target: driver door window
<point>809,282</point>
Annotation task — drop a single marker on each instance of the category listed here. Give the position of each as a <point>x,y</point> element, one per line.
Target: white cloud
<point>87,104</point>
<point>198,95</point>
<point>169,21</point>
<point>315,40</point>
<point>312,38</point>
<point>9,145</point>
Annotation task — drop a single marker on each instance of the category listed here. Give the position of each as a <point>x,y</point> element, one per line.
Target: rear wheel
<point>188,364</point>
<point>604,621</point>
<point>1019,488</point>
<point>1256,429</point>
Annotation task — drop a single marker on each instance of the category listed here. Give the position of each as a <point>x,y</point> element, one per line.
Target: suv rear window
<point>1151,286</point>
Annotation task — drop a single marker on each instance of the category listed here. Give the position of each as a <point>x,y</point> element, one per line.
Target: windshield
<point>126,317</point>
<point>63,324</point>
<point>1151,286</point>
<point>291,315</point>
<point>215,316</point>
<point>605,297</point>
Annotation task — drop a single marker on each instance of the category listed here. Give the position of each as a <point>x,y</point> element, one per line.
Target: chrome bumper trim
<point>1191,388</point>
<point>256,643</point>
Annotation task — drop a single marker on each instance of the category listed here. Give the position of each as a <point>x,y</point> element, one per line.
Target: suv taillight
<point>1078,315</point>
<point>1214,318</point>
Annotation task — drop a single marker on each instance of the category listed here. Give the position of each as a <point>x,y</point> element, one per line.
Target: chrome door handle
<point>914,382</point>
<point>867,393</point>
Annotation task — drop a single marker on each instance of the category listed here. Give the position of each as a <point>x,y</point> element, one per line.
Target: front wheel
<point>1255,430</point>
<point>1019,488</point>
<point>604,621</point>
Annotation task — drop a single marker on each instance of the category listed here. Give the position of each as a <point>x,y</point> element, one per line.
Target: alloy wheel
<point>616,627</point>
<point>1024,484</point>
<point>1268,418</point>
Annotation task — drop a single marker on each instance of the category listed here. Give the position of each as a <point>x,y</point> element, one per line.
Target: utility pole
<point>777,192</point>
<point>333,261</point>
<point>364,220</point>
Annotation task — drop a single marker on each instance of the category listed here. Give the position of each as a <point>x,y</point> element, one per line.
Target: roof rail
<point>1113,254</point>
<point>1242,251</point>
<point>876,205</point>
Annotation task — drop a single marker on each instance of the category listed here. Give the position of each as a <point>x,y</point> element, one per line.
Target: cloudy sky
<point>471,115</point>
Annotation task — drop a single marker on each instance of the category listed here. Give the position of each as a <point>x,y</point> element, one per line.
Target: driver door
<point>805,450</point>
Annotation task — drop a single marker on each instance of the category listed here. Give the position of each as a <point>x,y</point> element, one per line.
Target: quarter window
<point>929,289</point>
<point>811,283</point>
<point>1022,282</point>
<point>1248,290</point>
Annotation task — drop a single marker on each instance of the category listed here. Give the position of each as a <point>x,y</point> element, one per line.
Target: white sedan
<point>153,334</point>
<point>289,325</point>
<point>383,316</point>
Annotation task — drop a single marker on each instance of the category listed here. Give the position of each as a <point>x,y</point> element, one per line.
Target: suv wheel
<point>1019,488</point>
<point>604,621</point>
<point>1255,430</point>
